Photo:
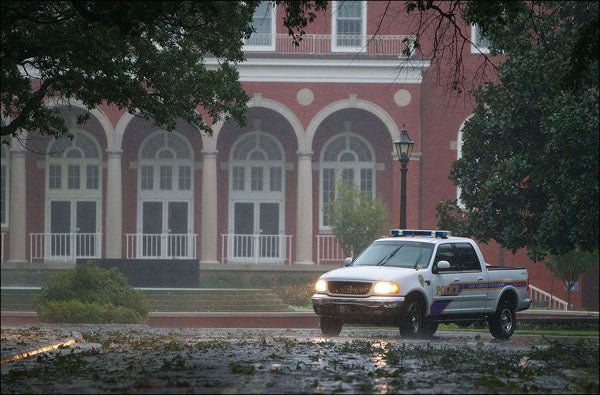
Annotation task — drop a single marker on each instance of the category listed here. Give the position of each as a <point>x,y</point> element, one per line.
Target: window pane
<point>92,177</point>
<point>185,178</point>
<point>348,176</point>
<point>166,177</point>
<point>275,178</point>
<point>54,177</point>
<point>147,177</point>
<point>328,190</point>
<point>366,181</point>
<point>73,176</point>
<point>257,179</point>
<point>261,21</point>
<point>238,178</point>
<point>349,24</point>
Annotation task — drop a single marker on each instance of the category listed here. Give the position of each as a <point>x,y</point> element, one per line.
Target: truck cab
<point>416,279</point>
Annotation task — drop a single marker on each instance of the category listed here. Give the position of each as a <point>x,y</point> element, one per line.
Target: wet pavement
<point>141,359</point>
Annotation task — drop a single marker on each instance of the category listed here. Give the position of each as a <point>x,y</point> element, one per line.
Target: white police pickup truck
<point>416,279</point>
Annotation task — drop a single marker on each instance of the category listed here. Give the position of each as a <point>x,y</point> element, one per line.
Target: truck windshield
<point>409,254</point>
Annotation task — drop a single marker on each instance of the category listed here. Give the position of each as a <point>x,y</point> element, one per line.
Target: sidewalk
<point>294,319</point>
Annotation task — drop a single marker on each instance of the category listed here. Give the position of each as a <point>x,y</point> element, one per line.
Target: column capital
<point>302,154</point>
<point>209,152</point>
<point>114,152</point>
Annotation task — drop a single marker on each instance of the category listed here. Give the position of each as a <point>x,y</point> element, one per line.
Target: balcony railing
<point>256,249</point>
<point>64,247</point>
<point>2,249</point>
<point>543,298</point>
<point>321,44</point>
<point>329,250</point>
<point>161,246</point>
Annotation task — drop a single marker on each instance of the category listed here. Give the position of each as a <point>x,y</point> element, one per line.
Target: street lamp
<point>404,148</point>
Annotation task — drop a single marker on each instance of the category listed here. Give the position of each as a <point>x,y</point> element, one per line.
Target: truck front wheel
<point>503,322</point>
<point>412,319</point>
<point>330,326</point>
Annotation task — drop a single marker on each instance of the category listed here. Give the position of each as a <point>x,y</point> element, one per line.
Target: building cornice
<point>356,70</point>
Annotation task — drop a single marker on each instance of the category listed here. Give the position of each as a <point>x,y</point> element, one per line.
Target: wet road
<point>141,359</point>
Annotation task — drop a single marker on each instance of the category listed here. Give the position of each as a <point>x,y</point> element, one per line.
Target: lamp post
<point>404,148</point>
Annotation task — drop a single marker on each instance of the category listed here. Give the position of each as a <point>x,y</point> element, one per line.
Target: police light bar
<point>443,234</point>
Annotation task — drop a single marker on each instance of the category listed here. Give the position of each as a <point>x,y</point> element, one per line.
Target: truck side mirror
<point>348,262</point>
<point>441,265</point>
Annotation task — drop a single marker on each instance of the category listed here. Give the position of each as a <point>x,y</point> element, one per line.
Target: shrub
<point>90,294</point>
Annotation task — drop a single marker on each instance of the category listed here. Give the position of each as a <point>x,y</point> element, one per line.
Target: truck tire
<point>429,328</point>
<point>412,318</point>
<point>503,322</point>
<point>330,326</point>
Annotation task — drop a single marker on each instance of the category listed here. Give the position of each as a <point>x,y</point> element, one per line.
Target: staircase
<point>171,300</point>
<point>213,300</point>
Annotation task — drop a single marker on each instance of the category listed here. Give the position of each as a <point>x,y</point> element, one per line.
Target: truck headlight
<point>321,286</point>
<point>386,288</point>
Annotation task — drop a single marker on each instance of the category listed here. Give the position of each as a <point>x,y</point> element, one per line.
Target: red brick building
<point>122,188</point>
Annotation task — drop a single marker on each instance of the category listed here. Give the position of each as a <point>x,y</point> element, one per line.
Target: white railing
<point>64,247</point>
<point>543,298</point>
<point>329,250</point>
<point>256,249</point>
<point>161,246</point>
<point>320,44</point>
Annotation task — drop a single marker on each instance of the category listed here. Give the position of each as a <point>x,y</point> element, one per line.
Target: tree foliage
<point>356,218</point>
<point>570,266</point>
<point>147,57</point>
<point>529,167</point>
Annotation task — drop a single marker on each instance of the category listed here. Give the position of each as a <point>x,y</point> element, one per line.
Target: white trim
<point>354,70</point>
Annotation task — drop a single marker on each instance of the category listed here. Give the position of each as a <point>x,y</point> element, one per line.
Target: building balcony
<point>64,247</point>
<point>327,44</point>
<point>161,246</point>
<point>256,249</point>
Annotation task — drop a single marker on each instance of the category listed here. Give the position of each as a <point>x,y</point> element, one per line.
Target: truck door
<point>473,285</point>
<point>445,284</point>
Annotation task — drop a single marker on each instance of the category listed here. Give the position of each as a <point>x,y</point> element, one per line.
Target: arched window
<point>74,197</point>
<point>349,158</point>
<point>257,192</point>
<point>166,192</point>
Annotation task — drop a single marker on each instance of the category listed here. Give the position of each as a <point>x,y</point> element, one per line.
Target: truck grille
<point>349,287</point>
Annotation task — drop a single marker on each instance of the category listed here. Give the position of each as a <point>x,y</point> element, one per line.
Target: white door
<point>257,233</point>
<point>165,229</point>
<point>73,229</point>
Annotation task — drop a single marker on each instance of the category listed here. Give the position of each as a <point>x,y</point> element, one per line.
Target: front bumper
<point>371,309</point>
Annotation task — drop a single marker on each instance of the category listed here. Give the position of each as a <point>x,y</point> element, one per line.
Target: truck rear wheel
<point>503,322</point>
<point>330,326</point>
<point>412,319</point>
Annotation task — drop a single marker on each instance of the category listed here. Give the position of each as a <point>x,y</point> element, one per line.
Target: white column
<point>114,206</point>
<point>18,207</point>
<point>208,218</point>
<point>304,215</point>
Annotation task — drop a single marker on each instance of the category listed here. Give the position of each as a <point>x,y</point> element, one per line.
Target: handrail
<point>542,297</point>
<point>256,249</point>
<point>321,44</point>
<point>64,246</point>
<point>329,250</point>
<point>161,245</point>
